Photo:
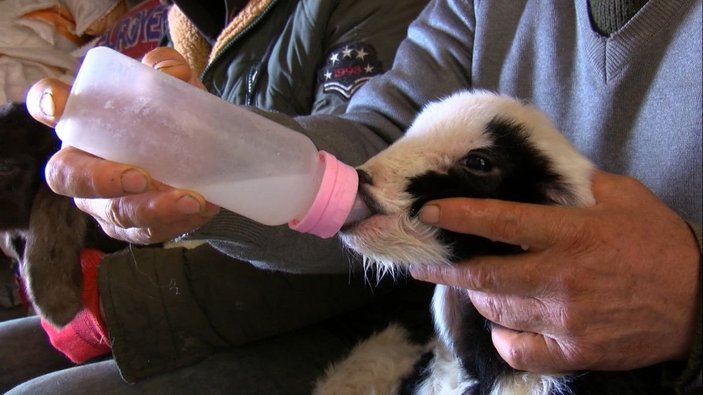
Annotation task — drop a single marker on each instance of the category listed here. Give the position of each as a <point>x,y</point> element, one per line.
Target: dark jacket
<point>167,308</point>
<point>278,54</point>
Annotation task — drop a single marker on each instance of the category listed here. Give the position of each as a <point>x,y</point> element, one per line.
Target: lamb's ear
<point>51,266</point>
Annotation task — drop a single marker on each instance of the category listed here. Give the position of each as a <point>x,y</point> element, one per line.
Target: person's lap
<point>25,352</point>
<point>287,364</point>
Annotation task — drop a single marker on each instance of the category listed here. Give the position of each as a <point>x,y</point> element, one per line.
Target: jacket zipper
<point>234,39</point>
<point>251,85</point>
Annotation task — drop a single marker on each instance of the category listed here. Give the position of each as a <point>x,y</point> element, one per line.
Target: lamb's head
<point>472,144</point>
<point>26,146</point>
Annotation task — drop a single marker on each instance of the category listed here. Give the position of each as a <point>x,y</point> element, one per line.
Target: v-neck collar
<point>608,55</point>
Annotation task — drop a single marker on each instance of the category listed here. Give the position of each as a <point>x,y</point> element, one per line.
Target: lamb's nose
<point>364,177</point>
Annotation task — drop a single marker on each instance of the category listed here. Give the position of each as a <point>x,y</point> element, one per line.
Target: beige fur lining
<point>243,19</point>
<point>188,41</point>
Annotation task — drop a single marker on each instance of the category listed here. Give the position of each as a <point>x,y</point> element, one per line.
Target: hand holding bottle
<point>127,203</point>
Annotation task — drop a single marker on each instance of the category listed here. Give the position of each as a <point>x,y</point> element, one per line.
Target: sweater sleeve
<point>378,114</point>
<point>687,376</point>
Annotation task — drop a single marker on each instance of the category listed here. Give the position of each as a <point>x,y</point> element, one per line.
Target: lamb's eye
<point>477,163</point>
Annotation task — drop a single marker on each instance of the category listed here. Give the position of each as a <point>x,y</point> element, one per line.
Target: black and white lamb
<point>472,144</point>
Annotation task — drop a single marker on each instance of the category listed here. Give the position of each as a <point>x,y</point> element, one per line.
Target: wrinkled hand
<point>611,287</point>
<point>127,203</point>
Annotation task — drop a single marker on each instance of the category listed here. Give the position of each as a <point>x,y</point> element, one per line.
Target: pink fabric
<point>85,337</point>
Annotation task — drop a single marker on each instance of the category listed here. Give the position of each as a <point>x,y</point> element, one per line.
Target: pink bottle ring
<point>334,199</point>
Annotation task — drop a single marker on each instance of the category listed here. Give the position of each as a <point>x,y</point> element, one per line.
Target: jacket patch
<point>347,67</point>
<point>138,31</point>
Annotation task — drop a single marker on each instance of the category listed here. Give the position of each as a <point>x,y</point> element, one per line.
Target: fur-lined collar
<point>193,46</point>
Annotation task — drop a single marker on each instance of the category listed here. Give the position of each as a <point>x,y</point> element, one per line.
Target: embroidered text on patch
<point>138,31</point>
<point>348,67</point>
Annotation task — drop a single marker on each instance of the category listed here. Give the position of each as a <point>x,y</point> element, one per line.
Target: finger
<point>154,209</point>
<point>145,236</point>
<point>523,274</point>
<point>73,172</point>
<point>527,225</point>
<point>46,100</point>
<point>171,62</point>
<point>530,351</point>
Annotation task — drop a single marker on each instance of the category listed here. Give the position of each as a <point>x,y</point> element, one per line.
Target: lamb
<point>472,144</point>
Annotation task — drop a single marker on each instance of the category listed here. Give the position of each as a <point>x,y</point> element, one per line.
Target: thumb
<point>46,100</point>
<point>528,351</point>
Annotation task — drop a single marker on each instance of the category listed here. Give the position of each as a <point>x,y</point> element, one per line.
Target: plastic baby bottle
<point>124,111</point>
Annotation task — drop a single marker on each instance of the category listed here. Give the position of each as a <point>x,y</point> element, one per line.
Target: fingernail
<point>134,181</point>
<point>187,204</point>
<point>164,64</point>
<point>429,214</point>
<point>211,210</point>
<point>46,104</point>
<point>418,272</point>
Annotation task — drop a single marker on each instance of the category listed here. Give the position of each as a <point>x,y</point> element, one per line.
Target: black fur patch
<point>516,171</point>
<point>510,169</point>
<point>26,146</point>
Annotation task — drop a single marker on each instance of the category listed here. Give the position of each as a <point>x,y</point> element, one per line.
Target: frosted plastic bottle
<point>124,111</point>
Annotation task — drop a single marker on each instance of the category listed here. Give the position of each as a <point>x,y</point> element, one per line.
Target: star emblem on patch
<point>348,67</point>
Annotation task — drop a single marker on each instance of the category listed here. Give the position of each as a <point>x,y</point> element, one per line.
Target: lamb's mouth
<point>364,208</point>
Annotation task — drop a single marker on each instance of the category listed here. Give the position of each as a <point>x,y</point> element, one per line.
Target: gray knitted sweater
<point>630,101</point>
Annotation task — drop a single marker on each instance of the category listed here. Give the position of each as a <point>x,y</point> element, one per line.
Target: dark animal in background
<point>471,144</point>
<point>43,231</point>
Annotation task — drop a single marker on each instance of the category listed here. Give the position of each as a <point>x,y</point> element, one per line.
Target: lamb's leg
<point>51,264</point>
